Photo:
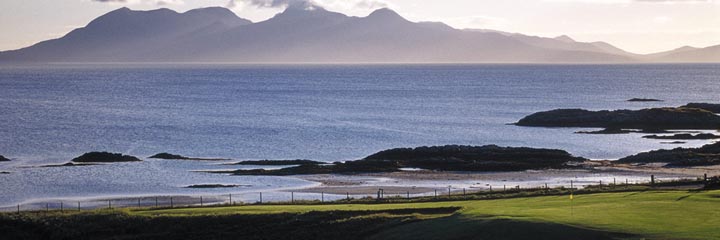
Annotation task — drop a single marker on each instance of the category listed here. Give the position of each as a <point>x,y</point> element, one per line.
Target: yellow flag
<point>571,196</point>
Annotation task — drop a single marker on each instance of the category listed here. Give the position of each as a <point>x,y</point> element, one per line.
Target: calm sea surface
<point>52,113</point>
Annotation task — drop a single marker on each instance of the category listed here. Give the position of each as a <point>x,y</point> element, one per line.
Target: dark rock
<point>104,157</point>
<point>3,159</point>
<point>279,162</point>
<point>644,100</point>
<point>446,158</point>
<point>653,118</point>
<point>703,156</point>
<point>169,156</point>
<point>715,108</point>
<point>685,136</point>
<point>5,172</point>
<point>675,142</point>
<point>215,186</point>
<point>608,131</point>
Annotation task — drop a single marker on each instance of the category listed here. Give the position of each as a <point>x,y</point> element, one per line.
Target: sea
<point>51,113</point>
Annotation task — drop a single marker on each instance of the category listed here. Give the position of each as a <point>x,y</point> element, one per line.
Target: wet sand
<point>428,181</point>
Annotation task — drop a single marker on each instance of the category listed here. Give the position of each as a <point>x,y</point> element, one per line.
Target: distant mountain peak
<point>386,14</point>
<point>565,38</point>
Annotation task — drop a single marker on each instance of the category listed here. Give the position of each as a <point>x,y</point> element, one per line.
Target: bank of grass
<point>649,214</point>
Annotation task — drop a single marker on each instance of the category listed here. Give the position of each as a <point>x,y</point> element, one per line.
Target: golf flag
<point>571,196</point>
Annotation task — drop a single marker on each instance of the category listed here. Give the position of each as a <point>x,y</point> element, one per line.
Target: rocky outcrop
<point>644,100</point>
<point>715,108</point>
<point>3,159</point>
<point>684,136</point>
<point>279,162</point>
<point>169,156</point>
<point>653,118</point>
<point>104,157</point>
<point>445,158</point>
<point>703,156</point>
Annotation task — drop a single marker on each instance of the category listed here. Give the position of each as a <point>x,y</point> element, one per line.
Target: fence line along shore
<point>379,196</point>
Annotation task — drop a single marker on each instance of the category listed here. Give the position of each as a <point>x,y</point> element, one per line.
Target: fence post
<point>292,197</point>
<point>47,207</point>
<point>322,197</point>
<point>347,195</point>
<point>571,185</point>
<point>260,197</point>
<point>138,202</point>
<point>448,191</point>
<point>705,181</point>
<point>408,194</point>
<point>172,205</point>
<point>463,191</point>
<point>652,179</point>
<point>18,208</point>
<point>435,193</point>
<point>201,201</point>
<point>78,206</point>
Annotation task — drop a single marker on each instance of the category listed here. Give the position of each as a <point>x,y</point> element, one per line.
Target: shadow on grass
<point>459,227</point>
<point>117,225</point>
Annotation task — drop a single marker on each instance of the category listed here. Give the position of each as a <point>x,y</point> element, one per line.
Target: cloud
<point>335,4</point>
<point>154,2</point>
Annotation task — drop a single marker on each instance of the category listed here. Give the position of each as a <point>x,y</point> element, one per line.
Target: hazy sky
<point>641,26</point>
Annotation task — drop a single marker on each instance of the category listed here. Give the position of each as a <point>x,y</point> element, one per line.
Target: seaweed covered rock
<point>104,157</point>
<point>653,118</point>
<point>715,108</point>
<point>703,156</point>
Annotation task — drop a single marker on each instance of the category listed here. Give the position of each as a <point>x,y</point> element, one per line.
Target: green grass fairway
<point>649,214</point>
<point>671,214</point>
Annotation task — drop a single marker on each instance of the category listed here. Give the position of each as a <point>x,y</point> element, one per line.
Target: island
<point>440,158</point>
<point>169,156</point>
<point>104,157</point>
<point>3,159</point>
<point>652,118</point>
<point>679,157</point>
<point>715,108</point>
<point>644,100</point>
<point>685,136</point>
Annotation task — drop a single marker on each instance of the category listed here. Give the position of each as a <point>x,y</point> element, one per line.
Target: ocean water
<point>52,113</point>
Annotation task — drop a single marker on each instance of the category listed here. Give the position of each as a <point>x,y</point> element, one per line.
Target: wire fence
<point>351,195</point>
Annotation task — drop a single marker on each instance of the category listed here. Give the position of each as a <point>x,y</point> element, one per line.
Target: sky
<point>640,26</point>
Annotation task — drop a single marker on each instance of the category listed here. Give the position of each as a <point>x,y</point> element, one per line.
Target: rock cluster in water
<point>715,108</point>
<point>653,118</point>
<point>104,157</point>
<point>3,159</point>
<point>644,100</point>
<point>679,157</point>
<point>447,158</point>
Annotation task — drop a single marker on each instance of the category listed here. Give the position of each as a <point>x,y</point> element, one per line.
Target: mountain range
<point>303,34</point>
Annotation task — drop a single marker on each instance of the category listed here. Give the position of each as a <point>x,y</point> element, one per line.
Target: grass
<point>653,214</point>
